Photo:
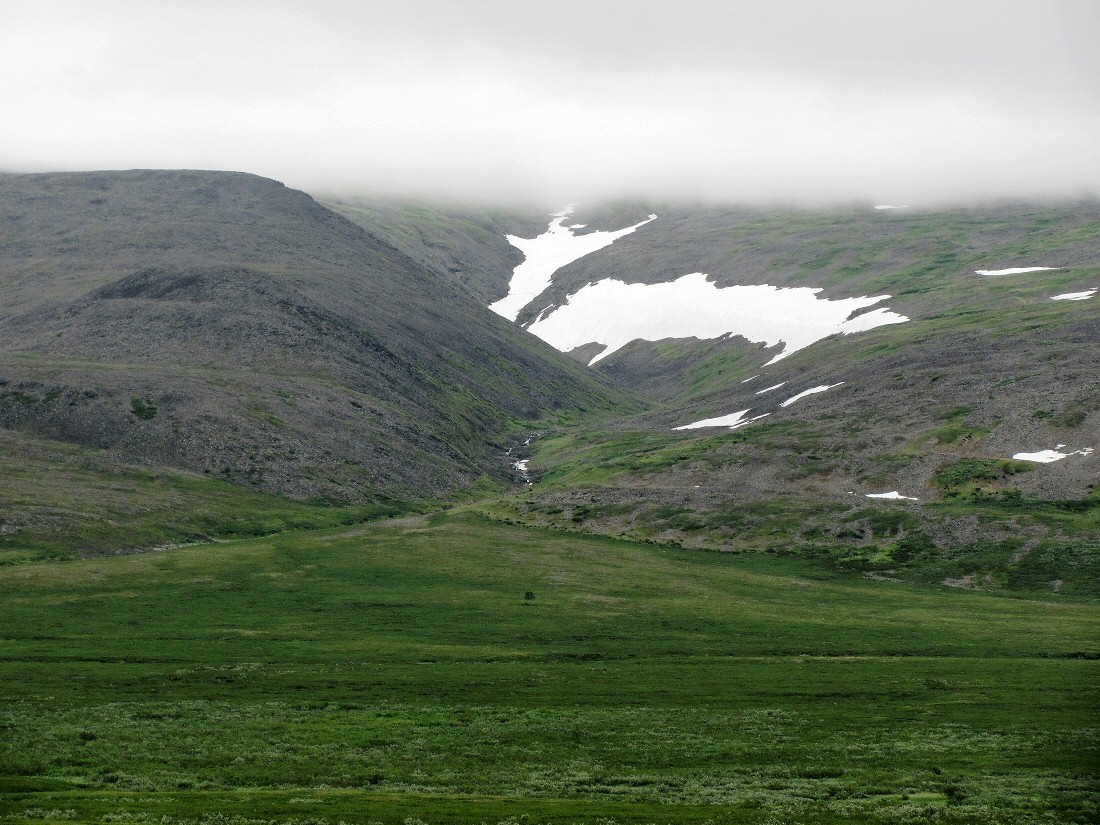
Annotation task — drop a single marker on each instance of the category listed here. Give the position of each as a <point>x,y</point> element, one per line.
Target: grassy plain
<point>449,669</point>
<point>610,482</point>
<point>61,501</point>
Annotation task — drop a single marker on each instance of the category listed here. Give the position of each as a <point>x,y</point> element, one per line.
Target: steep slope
<point>222,323</point>
<point>904,325</point>
<point>885,446</point>
<point>465,244</point>
<point>1024,367</point>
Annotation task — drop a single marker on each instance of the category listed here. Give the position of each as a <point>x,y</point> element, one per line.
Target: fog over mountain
<point>891,102</point>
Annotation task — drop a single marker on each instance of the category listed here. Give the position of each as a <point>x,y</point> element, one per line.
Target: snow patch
<point>1075,296</point>
<point>887,206</point>
<point>811,391</point>
<point>546,254</point>
<point>769,389</point>
<point>521,470</point>
<point>1016,270</point>
<point>892,494</point>
<point>722,421</point>
<point>1050,456</point>
<point>614,313</point>
<point>733,421</point>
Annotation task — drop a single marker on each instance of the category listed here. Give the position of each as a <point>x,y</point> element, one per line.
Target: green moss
<point>969,470</point>
<point>955,433</point>
<point>145,410</point>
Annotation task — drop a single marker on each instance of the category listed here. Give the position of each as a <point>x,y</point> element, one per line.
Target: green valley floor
<point>449,669</point>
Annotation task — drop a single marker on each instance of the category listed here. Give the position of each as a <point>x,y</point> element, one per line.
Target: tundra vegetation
<point>402,670</point>
<point>268,553</point>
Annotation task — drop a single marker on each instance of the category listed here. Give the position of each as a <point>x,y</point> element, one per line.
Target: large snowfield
<point>546,254</point>
<point>614,313</point>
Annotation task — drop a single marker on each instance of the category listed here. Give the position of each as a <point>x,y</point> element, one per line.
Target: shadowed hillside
<point>224,324</point>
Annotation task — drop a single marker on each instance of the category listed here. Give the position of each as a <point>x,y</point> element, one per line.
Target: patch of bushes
<point>954,433</point>
<point>23,398</point>
<point>143,409</point>
<point>970,470</point>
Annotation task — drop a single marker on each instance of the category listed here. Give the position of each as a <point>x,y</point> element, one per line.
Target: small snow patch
<point>521,469</point>
<point>887,206</point>
<point>1016,270</point>
<point>1075,296</point>
<point>769,389</point>
<point>721,421</point>
<point>750,420</point>
<point>1050,456</point>
<point>811,391</point>
<point>733,421</point>
<point>892,494</point>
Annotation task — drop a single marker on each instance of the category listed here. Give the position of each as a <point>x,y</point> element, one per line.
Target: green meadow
<point>446,668</point>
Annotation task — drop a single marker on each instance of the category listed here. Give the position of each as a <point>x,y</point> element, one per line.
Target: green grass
<point>612,483</point>
<point>593,456</point>
<point>61,501</point>
<point>398,670</point>
<point>966,473</point>
<point>144,410</point>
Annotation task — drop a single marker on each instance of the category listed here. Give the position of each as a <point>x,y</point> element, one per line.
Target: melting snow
<point>545,255</point>
<point>769,389</point>
<point>615,313</point>
<point>1013,271</point>
<point>1049,456</point>
<point>1075,296</point>
<point>521,468</point>
<point>891,494</point>
<point>810,391</point>
<point>722,421</point>
<point>733,421</point>
<point>887,206</point>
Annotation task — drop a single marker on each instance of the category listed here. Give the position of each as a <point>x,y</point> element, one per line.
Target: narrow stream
<point>520,465</point>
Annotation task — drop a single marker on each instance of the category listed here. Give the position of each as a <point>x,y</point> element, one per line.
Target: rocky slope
<point>224,324</point>
<point>975,369</point>
<point>1021,364</point>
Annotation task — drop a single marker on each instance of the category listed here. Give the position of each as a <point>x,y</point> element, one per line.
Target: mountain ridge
<point>283,314</point>
<point>233,330</point>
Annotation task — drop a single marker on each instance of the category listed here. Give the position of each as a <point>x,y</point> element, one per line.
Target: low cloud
<point>564,101</point>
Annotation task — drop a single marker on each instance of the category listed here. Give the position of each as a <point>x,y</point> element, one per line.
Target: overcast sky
<point>892,101</point>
